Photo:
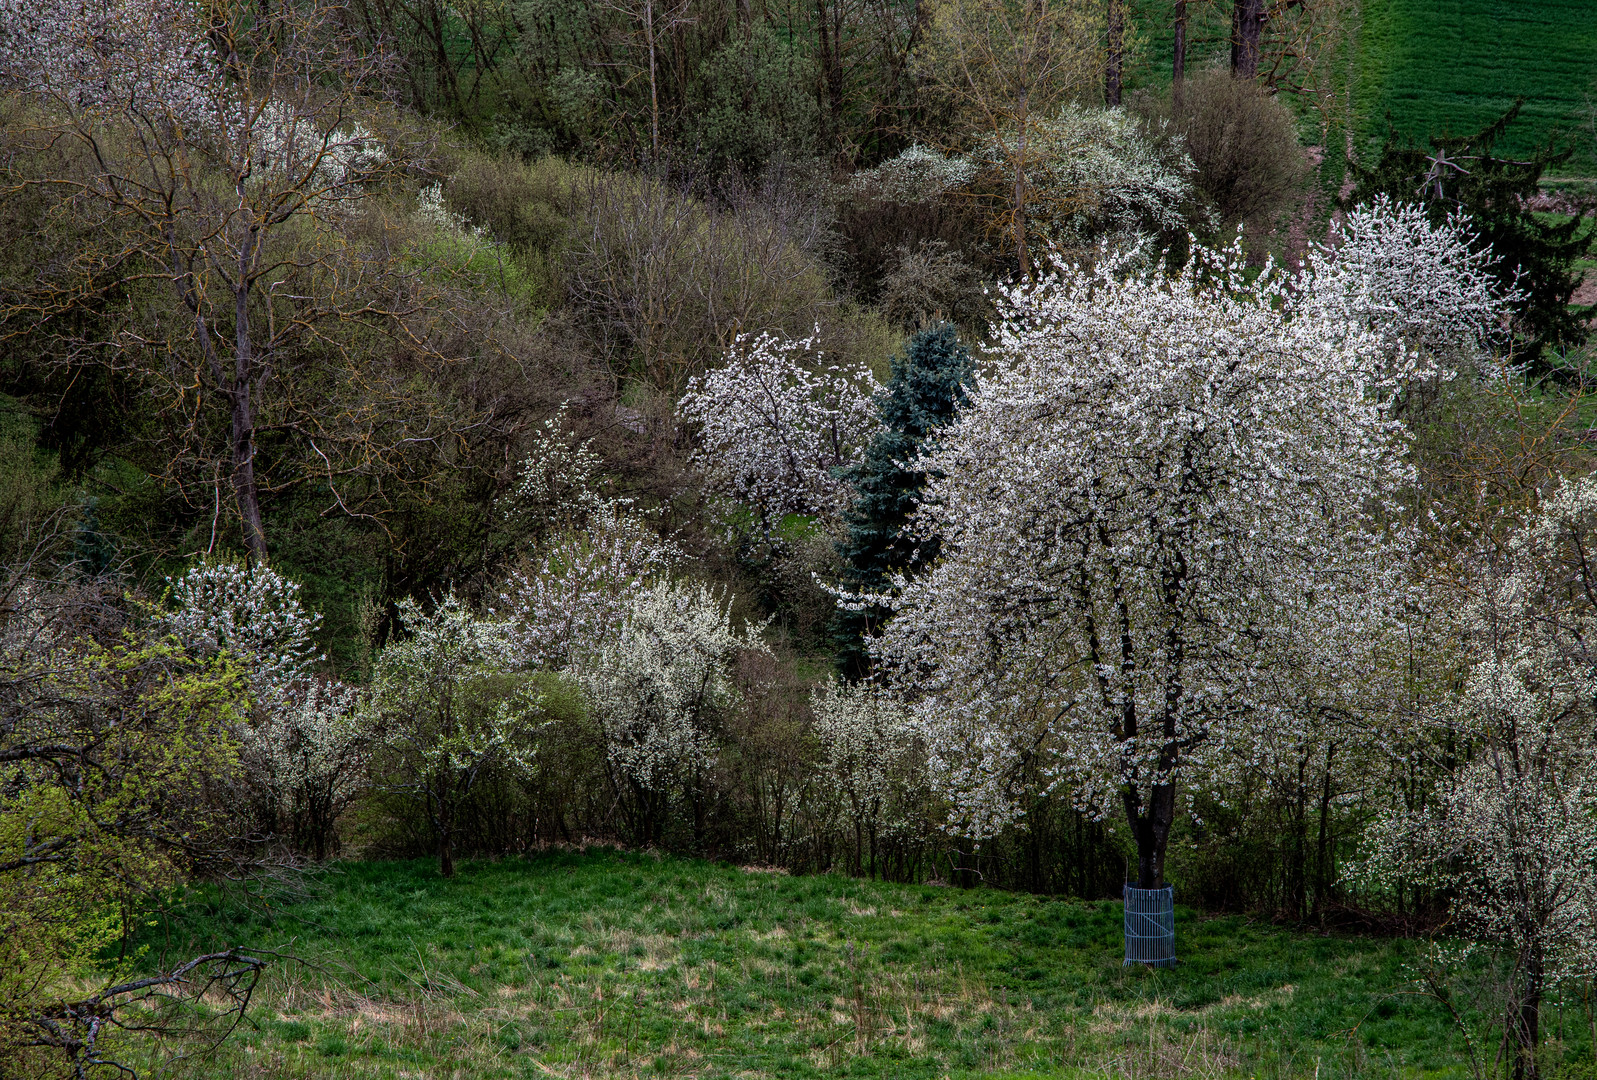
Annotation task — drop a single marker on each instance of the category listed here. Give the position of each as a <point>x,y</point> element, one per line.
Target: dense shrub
<point>1244,147</point>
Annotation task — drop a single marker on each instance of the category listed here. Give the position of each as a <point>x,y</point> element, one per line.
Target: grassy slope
<point>1435,65</point>
<point>1440,65</point>
<point>607,964</point>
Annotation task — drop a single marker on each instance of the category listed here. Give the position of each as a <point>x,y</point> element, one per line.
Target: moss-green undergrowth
<point>606,964</point>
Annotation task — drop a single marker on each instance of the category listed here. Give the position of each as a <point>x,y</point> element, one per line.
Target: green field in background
<point>1434,65</point>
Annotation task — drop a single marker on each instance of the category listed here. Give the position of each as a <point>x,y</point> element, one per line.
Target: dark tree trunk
<point>1178,60</point>
<point>446,854</point>
<point>1115,56</point>
<point>1247,31</point>
<point>1525,1021</point>
<point>1150,827</point>
<point>1322,859</point>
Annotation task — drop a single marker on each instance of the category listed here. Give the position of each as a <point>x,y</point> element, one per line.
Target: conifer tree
<point>928,381</point>
<point>1462,175</point>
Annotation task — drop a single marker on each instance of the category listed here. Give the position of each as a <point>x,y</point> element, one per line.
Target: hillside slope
<point>1455,65</point>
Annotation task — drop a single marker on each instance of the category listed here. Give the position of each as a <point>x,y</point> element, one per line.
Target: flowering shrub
<point>446,704</point>
<point>773,431</point>
<point>1099,176</point>
<point>311,755</point>
<point>112,54</point>
<point>252,612</point>
<point>1510,832</point>
<point>591,552</point>
<point>1415,285</point>
<point>656,690</point>
<point>917,175</point>
<point>867,758</point>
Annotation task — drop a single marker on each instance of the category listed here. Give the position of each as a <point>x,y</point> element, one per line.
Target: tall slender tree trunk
<point>654,83</point>
<point>1247,31</point>
<point>1525,1019</point>
<point>1178,59</point>
<point>1021,252</point>
<point>1115,56</point>
<point>245,487</point>
<point>1322,858</point>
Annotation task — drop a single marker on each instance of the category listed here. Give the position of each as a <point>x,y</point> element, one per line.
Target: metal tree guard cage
<point>1151,926</point>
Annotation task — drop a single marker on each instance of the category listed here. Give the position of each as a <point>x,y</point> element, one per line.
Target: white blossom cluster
<point>252,612</point>
<point>592,553</point>
<point>1415,285</point>
<point>657,687</point>
<point>285,142</point>
<point>773,431</point>
<point>311,751</point>
<point>432,209</point>
<point>306,744</point>
<point>150,55</point>
<point>1511,830</point>
<point>434,696</point>
<point>1097,177</point>
<point>1160,519</point>
<point>866,743</point>
<point>154,64</point>
<point>916,175</point>
<point>574,596</point>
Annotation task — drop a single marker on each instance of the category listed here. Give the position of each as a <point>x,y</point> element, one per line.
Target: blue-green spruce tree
<point>928,382</point>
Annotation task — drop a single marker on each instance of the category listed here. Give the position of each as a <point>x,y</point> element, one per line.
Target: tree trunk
<point>1247,30</point>
<point>446,853</point>
<point>1115,54</point>
<point>244,484</point>
<point>1178,60</point>
<point>654,85</point>
<point>1525,1021</point>
<point>1322,859</point>
<point>1150,827</point>
<point>1021,254</point>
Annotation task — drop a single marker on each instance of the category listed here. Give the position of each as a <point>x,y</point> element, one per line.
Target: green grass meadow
<point>1455,65</point>
<point>608,964</point>
<point>1434,65</point>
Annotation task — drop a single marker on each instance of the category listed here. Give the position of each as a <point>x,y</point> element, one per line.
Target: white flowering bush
<point>1161,524</point>
<point>773,430</point>
<point>574,596</point>
<point>1097,176</point>
<point>867,760</point>
<point>158,59</point>
<point>1415,285</point>
<point>253,612</point>
<point>310,754</point>
<point>656,691</point>
<point>916,175</point>
<point>1509,833</point>
<point>95,54</point>
<point>447,704</point>
<point>591,552</point>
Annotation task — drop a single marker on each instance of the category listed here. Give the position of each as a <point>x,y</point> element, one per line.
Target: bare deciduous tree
<point>1006,65</point>
<point>218,163</point>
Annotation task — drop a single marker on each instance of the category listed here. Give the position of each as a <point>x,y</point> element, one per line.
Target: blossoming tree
<point>218,156</point>
<point>657,689</point>
<point>446,704</point>
<point>1510,831</point>
<point>774,429</point>
<point>1161,524</point>
<point>1415,285</point>
<point>591,552</point>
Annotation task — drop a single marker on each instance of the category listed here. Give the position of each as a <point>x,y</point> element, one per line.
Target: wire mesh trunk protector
<point>1151,926</point>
